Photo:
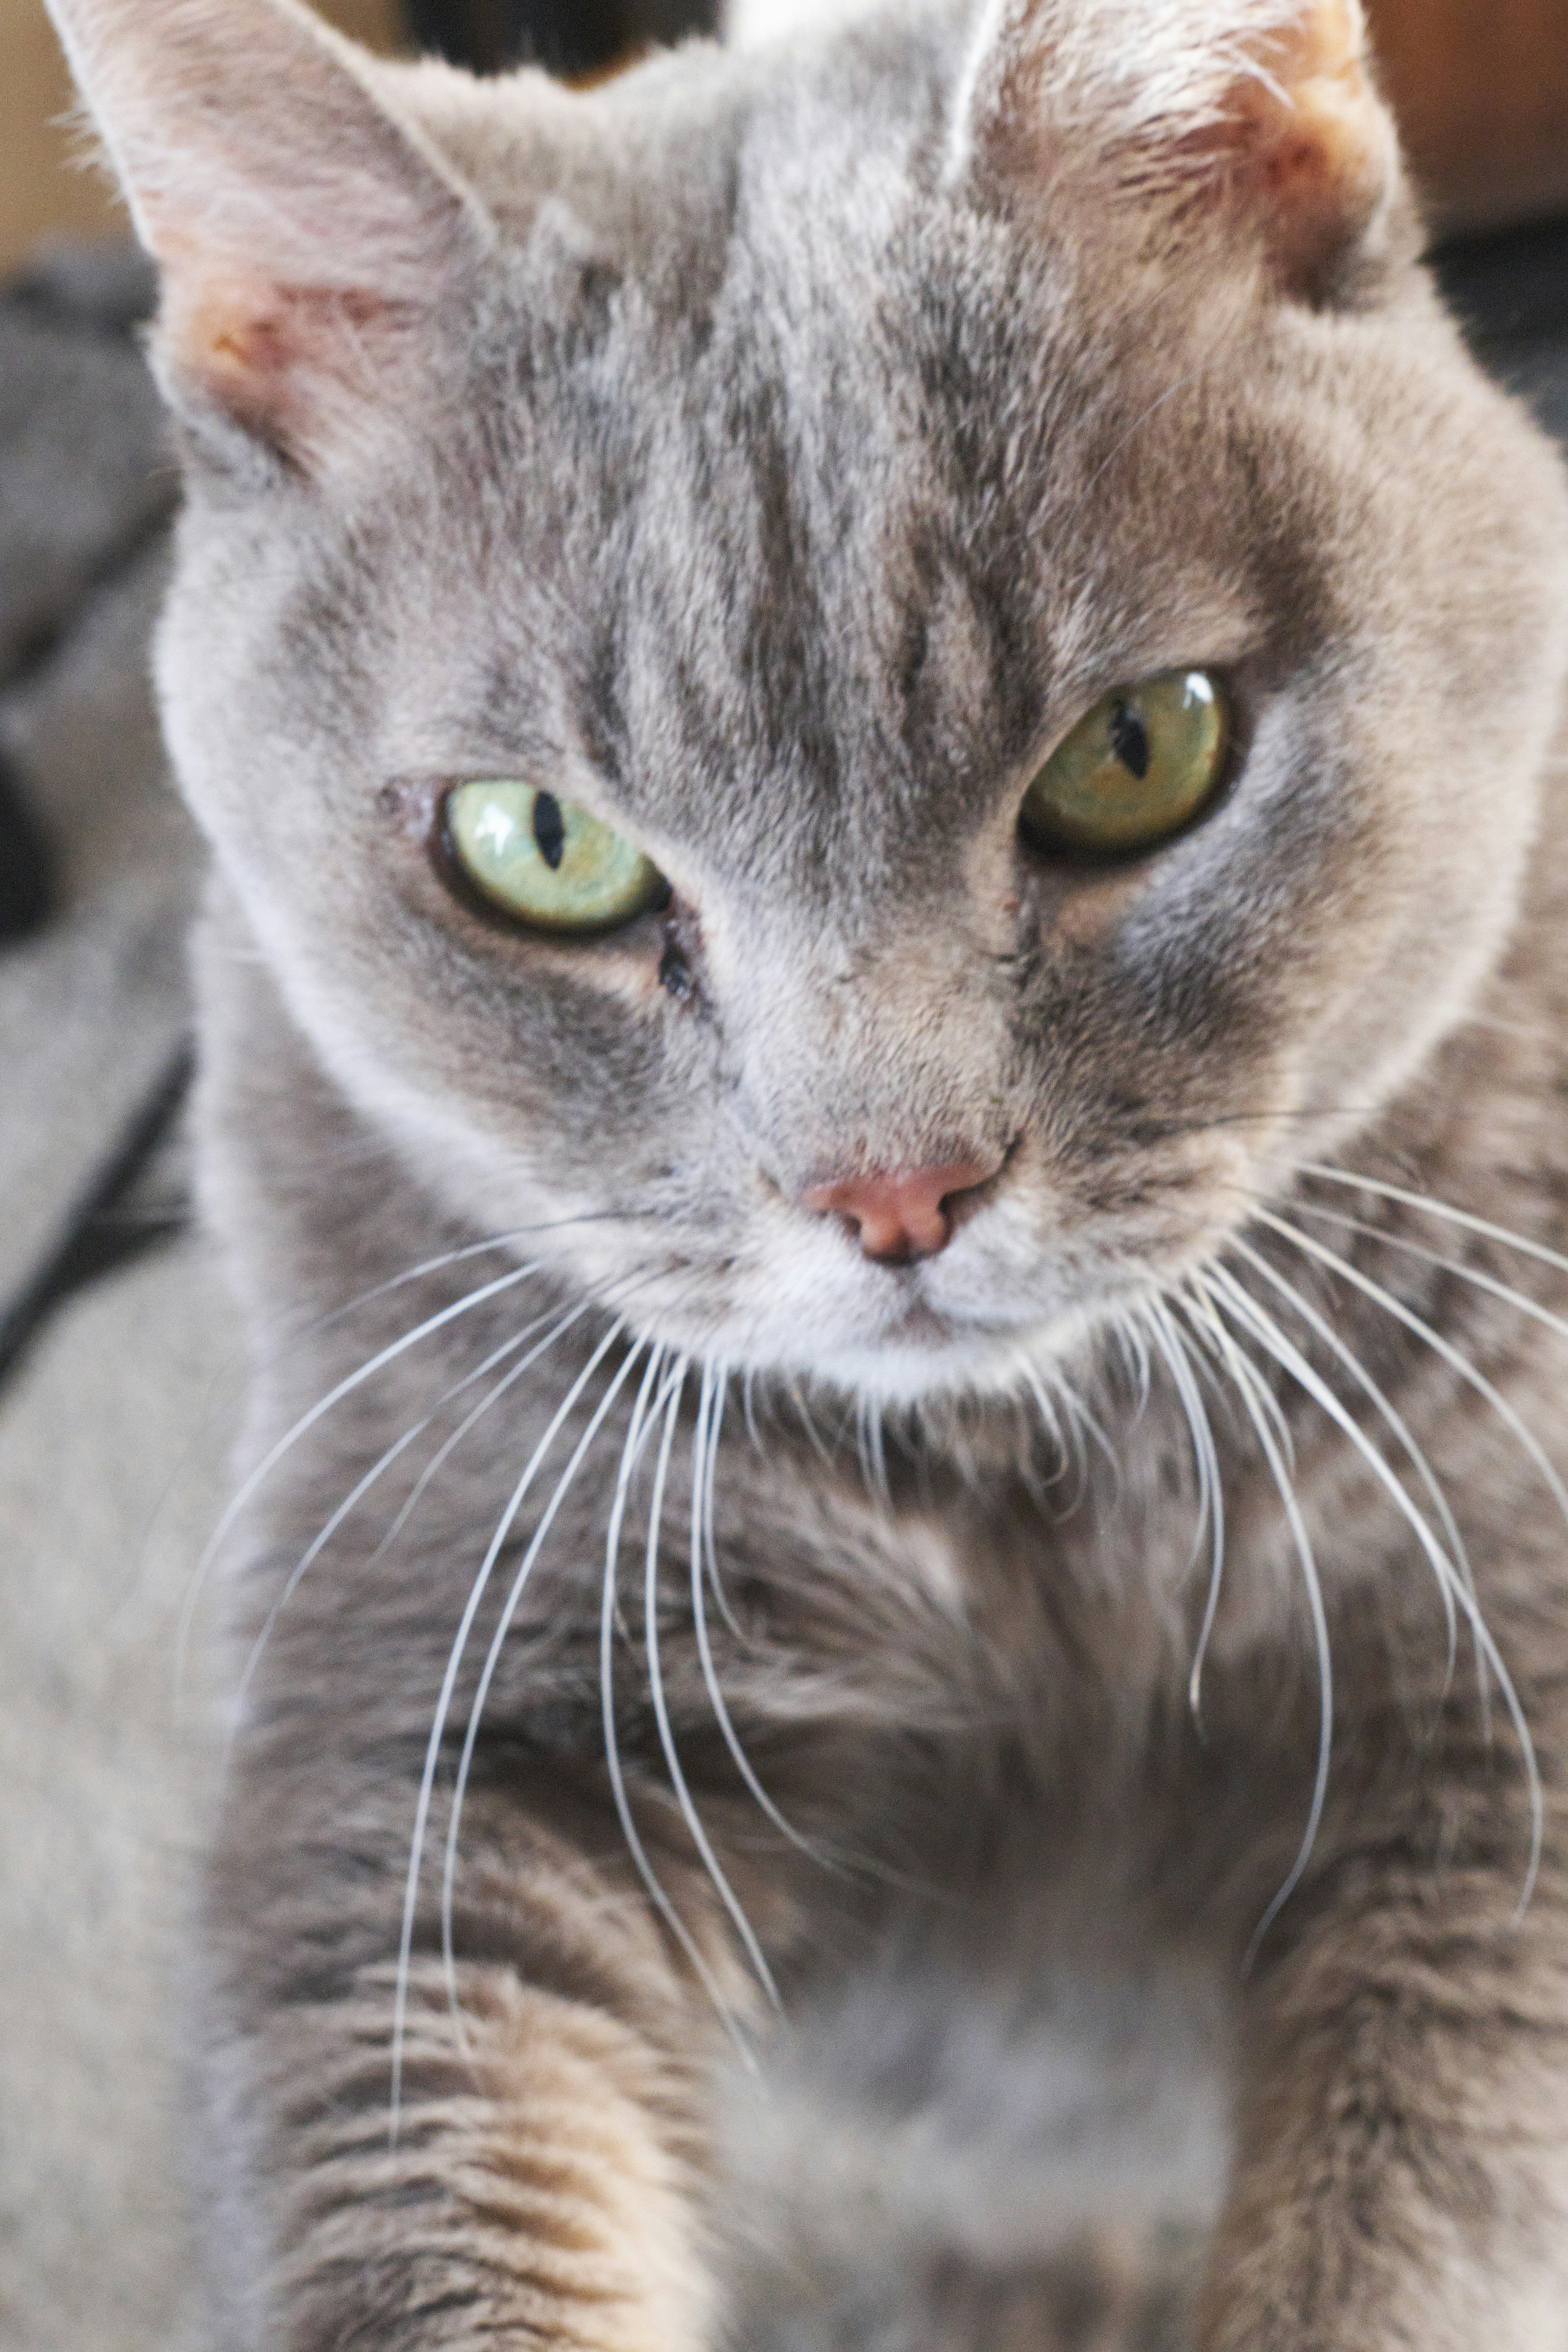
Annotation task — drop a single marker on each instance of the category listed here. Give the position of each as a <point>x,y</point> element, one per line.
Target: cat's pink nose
<point>906,1215</point>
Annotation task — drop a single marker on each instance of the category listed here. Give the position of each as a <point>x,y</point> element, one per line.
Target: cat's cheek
<point>1072,909</point>
<point>623,967</point>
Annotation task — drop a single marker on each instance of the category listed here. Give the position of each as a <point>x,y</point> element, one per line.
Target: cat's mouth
<point>925,1353</point>
<point>919,1324</point>
<point>897,1330</point>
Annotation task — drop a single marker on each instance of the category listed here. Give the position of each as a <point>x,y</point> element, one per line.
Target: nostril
<point>907,1214</point>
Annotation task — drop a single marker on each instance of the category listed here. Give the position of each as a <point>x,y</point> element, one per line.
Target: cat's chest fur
<point>947,2117</point>
<point>1013,2010</point>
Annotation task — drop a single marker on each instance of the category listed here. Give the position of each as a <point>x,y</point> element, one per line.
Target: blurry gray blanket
<point>113,1421</point>
<point>116,1377</point>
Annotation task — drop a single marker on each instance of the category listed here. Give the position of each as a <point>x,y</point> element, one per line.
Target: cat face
<point>774,459</point>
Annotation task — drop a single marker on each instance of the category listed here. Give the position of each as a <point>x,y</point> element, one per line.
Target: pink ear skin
<point>302,228</point>
<point>291,365</point>
<point>1314,152</point>
<point>274,357</point>
<point>1259,118</point>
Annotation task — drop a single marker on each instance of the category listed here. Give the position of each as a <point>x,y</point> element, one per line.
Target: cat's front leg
<point>1401,2167</point>
<point>507,2155</point>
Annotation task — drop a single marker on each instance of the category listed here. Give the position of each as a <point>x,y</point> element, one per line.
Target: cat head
<point>866,680</point>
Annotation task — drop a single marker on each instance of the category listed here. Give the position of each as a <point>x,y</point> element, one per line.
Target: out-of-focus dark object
<point>69,524</point>
<point>103,282</point>
<point>1509,289</point>
<point>107,1229</point>
<point>25,896</point>
<point>1481,87</point>
<point>570,37</point>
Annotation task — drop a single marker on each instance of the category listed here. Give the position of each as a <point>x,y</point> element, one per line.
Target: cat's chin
<point>926,1357</point>
<point>960,1367</point>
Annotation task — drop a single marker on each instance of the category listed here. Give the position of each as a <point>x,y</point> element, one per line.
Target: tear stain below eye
<point>674,972</point>
<point>411,805</point>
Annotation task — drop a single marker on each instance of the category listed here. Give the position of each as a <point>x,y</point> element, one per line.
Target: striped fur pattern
<point>779,1799</point>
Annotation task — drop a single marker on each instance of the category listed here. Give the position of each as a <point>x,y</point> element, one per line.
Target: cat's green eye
<point>546,861</point>
<point>1137,768</point>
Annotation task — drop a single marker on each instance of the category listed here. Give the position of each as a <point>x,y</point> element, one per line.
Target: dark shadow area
<point>109,1227</point>
<point>587,37</point>
<point>25,896</point>
<point>1513,282</point>
<point>1509,292</point>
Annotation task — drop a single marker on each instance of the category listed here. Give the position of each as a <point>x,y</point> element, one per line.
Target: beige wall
<point>41,187</point>
<point>1481,89</point>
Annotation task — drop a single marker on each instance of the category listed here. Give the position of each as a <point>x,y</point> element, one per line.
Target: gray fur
<point>779,458</point>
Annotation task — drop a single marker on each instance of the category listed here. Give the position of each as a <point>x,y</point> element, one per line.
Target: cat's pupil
<point>549,829</point>
<point>1129,739</point>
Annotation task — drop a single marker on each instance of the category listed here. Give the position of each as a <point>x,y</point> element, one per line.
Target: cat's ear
<point>302,231</point>
<point>1261,114</point>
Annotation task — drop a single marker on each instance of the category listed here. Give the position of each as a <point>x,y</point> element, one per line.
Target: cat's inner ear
<point>303,232</point>
<point>1261,115</point>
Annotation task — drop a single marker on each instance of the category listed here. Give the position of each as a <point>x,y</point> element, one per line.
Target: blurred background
<point>44,190</point>
<point>1481,87</point>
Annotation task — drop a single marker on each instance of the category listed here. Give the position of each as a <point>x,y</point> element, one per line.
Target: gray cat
<point>885,1057</point>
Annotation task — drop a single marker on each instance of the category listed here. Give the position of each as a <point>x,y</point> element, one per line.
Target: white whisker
<point>1074,1449</point>
<point>1034,1379</point>
<point>644,1421</point>
<point>797,1396</point>
<point>693,1820</point>
<point>1529,1444</point>
<point>628,1287</point>
<point>1478,1279</point>
<point>705,1568</point>
<point>450,1444</point>
<point>869,1446</point>
<point>448,1684</point>
<point>720,1376</point>
<point>1455,1560</point>
<point>1085,1422</point>
<point>1520,1430</point>
<point>307,1422</point>
<point>1133,1345</point>
<point>498,1642</point>
<point>1434,1208</point>
<point>1250,1387</point>
<point>1210,1490</point>
<point>282,1341</point>
<point>1476,1276</point>
<point>330,1527</point>
<point>419,1273</point>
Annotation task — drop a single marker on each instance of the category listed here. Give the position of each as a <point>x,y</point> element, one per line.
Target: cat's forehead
<point>810,475</point>
<point>784,471</point>
<point>660,161</point>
